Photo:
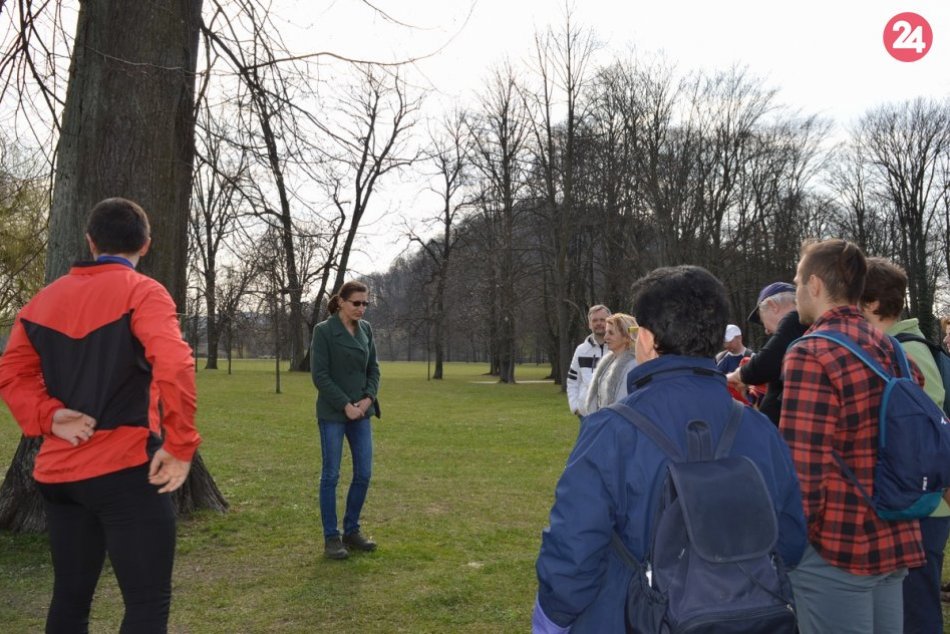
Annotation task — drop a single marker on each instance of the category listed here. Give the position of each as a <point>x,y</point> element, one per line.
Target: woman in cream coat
<point>609,383</point>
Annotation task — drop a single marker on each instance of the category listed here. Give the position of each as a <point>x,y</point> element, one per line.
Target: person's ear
<point>145,248</point>
<point>92,246</point>
<point>870,309</point>
<point>646,345</point>
<point>815,286</point>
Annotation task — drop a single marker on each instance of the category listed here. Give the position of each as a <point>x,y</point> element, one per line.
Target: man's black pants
<point>123,515</point>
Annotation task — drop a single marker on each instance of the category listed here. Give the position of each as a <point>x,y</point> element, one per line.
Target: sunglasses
<point>358,304</point>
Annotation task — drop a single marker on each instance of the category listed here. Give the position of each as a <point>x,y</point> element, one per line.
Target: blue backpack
<point>913,448</point>
<point>941,358</point>
<point>711,565</point>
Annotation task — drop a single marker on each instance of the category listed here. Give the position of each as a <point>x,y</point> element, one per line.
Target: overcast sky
<point>825,57</point>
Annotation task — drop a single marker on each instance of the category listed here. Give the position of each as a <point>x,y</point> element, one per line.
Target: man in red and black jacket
<point>850,578</point>
<point>97,367</point>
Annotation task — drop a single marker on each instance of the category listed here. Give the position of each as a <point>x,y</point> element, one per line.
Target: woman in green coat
<point>344,369</point>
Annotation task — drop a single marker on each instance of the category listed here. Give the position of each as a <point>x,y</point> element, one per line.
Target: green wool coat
<point>344,367</point>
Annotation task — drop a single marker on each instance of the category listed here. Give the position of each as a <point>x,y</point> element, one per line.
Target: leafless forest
<point>560,180</point>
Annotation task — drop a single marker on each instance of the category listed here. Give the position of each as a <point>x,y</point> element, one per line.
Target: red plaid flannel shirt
<point>831,401</point>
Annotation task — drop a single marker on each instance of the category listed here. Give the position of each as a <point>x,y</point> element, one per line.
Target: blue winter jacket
<point>611,481</point>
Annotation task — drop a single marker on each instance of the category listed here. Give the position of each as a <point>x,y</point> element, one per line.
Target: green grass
<point>464,474</point>
<point>463,479</point>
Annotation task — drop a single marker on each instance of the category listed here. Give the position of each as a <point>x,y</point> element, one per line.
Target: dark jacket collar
<point>337,328</point>
<point>87,267</point>
<point>670,365</point>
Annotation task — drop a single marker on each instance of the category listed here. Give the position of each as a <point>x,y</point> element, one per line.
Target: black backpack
<point>711,566</point>
<point>941,358</point>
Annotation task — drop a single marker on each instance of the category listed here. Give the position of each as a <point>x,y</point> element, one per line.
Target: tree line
<point>565,178</point>
<point>579,178</point>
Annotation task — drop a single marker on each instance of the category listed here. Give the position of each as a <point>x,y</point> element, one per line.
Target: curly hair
<point>685,307</point>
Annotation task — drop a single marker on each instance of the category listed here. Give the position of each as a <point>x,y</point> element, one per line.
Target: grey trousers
<point>830,600</point>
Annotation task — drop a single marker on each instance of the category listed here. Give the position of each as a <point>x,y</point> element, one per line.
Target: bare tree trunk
<point>199,491</point>
<point>561,60</point>
<point>439,320</point>
<point>909,148</point>
<point>127,130</point>
<point>212,329</point>
<point>382,113</point>
<point>507,303</point>
<point>21,507</point>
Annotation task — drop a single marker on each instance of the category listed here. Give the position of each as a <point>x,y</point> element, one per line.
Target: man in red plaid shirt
<point>850,577</point>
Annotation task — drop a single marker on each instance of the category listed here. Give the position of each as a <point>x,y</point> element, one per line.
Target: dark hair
<point>840,264</point>
<point>344,293</point>
<point>685,307</point>
<point>885,283</point>
<point>117,225</point>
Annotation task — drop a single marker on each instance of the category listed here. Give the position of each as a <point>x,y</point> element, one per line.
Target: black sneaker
<point>358,541</point>
<point>334,548</point>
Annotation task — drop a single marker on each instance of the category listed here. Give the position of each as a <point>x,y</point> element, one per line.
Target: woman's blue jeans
<point>359,436</point>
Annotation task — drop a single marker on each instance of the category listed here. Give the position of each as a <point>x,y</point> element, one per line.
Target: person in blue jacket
<point>612,475</point>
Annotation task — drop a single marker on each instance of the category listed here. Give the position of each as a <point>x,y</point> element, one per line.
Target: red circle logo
<point>908,37</point>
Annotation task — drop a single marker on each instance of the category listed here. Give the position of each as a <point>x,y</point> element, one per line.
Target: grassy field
<point>464,474</point>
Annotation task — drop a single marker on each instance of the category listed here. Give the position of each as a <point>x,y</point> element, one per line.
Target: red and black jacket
<point>103,340</point>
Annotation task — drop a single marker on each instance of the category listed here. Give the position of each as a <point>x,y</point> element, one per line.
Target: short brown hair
<point>886,283</point>
<point>118,225</point>
<point>840,264</point>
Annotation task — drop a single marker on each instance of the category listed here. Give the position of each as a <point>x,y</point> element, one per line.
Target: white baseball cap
<point>732,331</point>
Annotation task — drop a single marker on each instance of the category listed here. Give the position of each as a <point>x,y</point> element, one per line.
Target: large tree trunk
<point>21,507</point>
<point>199,491</point>
<point>127,130</point>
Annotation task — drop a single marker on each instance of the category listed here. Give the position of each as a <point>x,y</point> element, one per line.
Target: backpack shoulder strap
<point>904,337</point>
<point>732,428</point>
<point>901,357</point>
<point>851,477</point>
<point>623,552</point>
<point>859,352</point>
<point>849,343</point>
<point>651,429</point>
<point>935,350</point>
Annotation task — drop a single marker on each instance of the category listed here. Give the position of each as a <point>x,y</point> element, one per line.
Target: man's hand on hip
<point>72,426</point>
<point>167,471</point>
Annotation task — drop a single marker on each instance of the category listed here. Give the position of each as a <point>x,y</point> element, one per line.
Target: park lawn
<point>463,479</point>
<point>464,474</point>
